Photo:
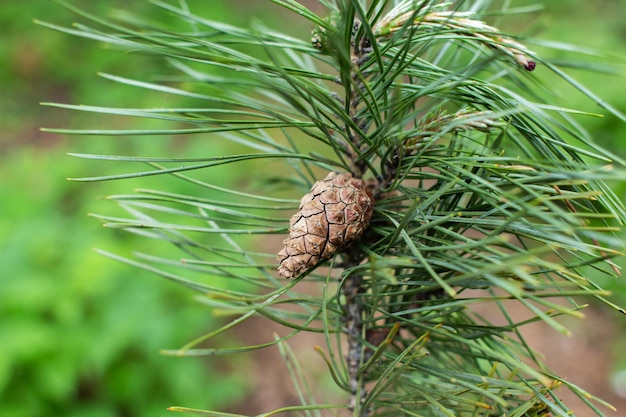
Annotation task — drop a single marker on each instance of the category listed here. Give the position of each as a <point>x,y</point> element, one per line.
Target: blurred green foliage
<point>592,25</point>
<point>81,334</point>
<point>597,25</point>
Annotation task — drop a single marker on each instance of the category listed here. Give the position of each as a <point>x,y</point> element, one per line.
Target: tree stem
<point>353,286</point>
<point>354,330</point>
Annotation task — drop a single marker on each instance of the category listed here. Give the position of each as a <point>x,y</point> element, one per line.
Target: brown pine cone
<point>331,216</point>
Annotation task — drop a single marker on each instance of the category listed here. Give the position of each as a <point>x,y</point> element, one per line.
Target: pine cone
<point>331,216</point>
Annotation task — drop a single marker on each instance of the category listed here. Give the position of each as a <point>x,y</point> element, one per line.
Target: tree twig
<point>354,329</point>
<point>353,286</point>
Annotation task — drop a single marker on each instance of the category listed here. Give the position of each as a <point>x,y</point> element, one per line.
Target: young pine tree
<point>417,165</point>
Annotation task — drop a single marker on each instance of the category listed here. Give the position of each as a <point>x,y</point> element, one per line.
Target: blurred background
<point>80,334</point>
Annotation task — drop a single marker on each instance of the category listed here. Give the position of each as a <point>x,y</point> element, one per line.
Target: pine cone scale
<point>336,213</point>
<point>310,206</point>
<point>336,233</point>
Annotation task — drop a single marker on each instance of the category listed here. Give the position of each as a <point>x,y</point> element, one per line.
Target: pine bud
<point>331,216</point>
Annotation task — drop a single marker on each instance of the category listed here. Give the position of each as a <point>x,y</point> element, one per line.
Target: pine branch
<point>436,175</point>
